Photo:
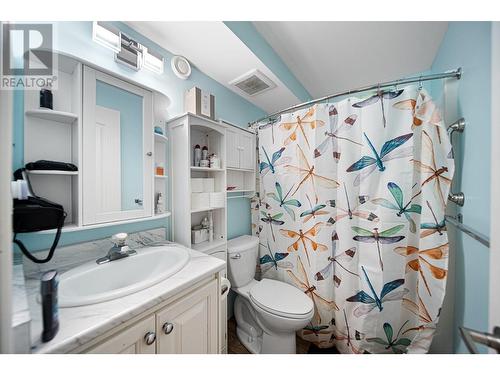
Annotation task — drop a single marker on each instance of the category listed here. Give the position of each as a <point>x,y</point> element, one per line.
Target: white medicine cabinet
<point>117,149</point>
<point>114,132</point>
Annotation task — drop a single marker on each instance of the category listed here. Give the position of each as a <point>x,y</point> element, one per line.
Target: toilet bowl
<point>268,312</point>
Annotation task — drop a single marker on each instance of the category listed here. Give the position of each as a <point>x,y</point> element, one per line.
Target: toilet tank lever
<point>235,256</point>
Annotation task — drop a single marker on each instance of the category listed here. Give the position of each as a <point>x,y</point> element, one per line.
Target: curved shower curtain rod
<point>457,73</point>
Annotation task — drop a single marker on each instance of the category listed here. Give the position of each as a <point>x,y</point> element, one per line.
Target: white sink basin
<point>92,283</point>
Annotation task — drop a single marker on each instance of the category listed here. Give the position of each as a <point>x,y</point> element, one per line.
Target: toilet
<point>268,312</point>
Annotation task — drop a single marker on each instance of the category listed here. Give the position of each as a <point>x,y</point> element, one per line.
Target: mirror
<point>117,149</point>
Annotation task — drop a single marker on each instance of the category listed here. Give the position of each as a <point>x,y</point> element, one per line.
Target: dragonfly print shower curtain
<point>351,209</point>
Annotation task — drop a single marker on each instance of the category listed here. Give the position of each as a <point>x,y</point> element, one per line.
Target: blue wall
<point>75,38</point>
<point>468,44</point>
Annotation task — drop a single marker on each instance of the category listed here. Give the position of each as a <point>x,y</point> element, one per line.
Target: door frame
<point>494,300</point>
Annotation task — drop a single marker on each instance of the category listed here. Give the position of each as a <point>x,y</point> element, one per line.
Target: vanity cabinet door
<point>139,338</point>
<point>190,325</point>
<point>247,152</point>
<point>232,149</point>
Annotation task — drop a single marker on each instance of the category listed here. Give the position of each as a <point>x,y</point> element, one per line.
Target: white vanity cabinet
<point>188,324</point>
<point>136,339</point>
<point>240,148</point>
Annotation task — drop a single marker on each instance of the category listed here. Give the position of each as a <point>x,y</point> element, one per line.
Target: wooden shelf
<point>51,115</point>
<point>160,138</point>
<point>53,172</point>
<point>205,169</point>
<point>207,245</point>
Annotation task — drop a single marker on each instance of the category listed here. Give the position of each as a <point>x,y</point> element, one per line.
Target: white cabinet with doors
<point>188,324</point>
<point>136,339</point>
<point>241,161</point>
<point>240,147</point>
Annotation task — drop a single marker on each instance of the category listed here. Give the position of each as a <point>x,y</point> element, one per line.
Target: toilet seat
<point>280,299</point>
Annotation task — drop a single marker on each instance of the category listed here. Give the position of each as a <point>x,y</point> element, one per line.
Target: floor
<point>236,347</point>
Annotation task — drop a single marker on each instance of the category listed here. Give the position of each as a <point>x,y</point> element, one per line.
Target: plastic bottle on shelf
<point>159,204</point>
<point>197,155</point>
<point>204,153</point>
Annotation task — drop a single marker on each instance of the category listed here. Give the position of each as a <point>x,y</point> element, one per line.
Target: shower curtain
<point>350,209</point>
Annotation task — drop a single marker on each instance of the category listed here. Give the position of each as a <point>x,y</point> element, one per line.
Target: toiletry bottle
<point>204,153</point>
<point>205,223</point>
<point>159,204</point>
<point>197,155</point>
<point>48,289</point>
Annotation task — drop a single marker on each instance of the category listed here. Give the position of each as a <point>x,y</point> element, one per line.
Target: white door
<point>247,151</point>
<point>117,149</point>
<point>137,339</point>
<point>232,152</point>
<point>189,326</point>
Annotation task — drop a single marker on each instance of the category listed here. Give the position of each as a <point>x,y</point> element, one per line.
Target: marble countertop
<point>79,325</point>
<point>20,308</point>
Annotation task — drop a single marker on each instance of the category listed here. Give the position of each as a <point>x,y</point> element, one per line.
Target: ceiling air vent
<point>252,83</point>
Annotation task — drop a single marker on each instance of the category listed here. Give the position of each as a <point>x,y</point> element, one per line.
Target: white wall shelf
<point>51,115</point>
<point>203,209</point>
<point>207,245</point>
<point>77,228</point>
<point>53,172</point>
<point>160,176</point>
<point>160,138</point>
<point>205,169</point>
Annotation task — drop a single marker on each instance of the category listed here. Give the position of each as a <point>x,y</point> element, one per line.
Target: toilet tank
<point>242,253</point>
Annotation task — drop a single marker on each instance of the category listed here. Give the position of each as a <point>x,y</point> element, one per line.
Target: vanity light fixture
<point>153,61</point>
<point>106,35</point>
<point>128,51</point>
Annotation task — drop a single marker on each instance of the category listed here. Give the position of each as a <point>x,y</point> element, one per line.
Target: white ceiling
<point>328,57</point>
<point>216,51</point>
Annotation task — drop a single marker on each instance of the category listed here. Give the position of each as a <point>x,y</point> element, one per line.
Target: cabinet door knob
<point>150,338</point>
<point>149,153</point>
<point>168,328</point>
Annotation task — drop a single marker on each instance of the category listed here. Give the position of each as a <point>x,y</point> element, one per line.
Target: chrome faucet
<point>118,251</point>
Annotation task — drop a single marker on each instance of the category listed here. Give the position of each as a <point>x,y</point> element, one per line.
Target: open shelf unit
<point>160,184</point>
<point>187,131</point>
<point>54,134</point>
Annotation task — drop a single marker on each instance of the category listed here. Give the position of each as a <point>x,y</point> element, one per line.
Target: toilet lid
<point>281,299</point>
